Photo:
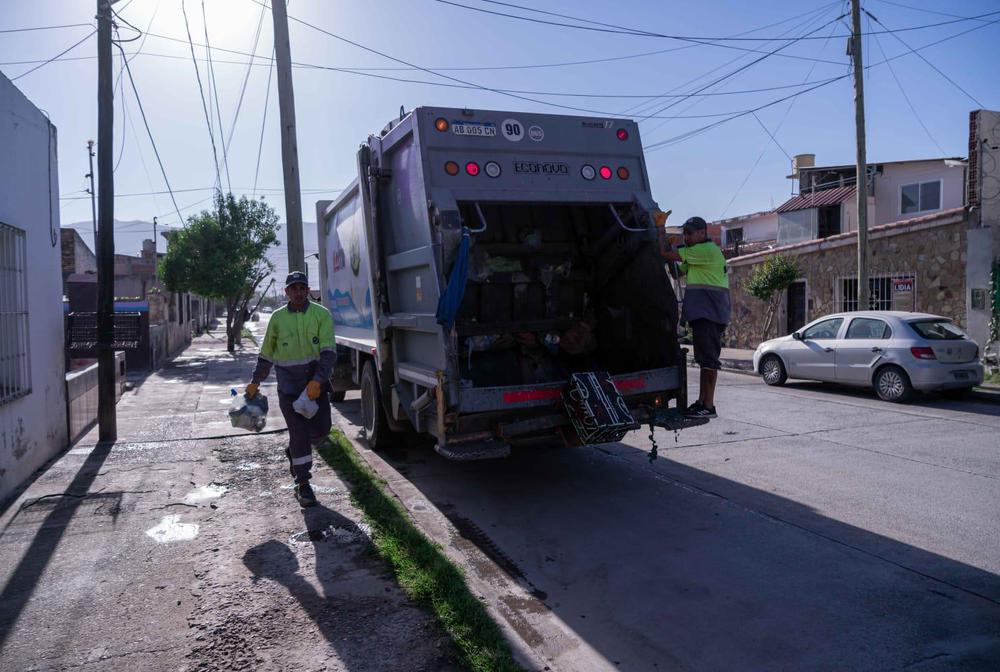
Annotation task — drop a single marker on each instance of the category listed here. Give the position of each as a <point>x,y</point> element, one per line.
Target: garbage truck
<point>494,281</point>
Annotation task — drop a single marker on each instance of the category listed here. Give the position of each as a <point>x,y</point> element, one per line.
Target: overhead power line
<point>64,51</point>
<point>263,123</point>
<point>924,59</point>
<point>145,122</point>
<point>906,97</point>
<point>450,77</point>
<point>602,27</point>
<point>215,92</point>
<point>698,131</point>
<point>246,78</point>
<point>201,90</point>
<point>34,28</point>
<point>311,190</point>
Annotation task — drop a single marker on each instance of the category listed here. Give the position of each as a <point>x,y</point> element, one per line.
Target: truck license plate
<point>485,130</point>
<point>961,375</point>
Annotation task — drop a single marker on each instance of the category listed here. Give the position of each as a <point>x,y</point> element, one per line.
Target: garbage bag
<point>246,413</point>
<point>305,406</point>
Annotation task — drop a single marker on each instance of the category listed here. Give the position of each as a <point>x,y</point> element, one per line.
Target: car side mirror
<point>797,335</point>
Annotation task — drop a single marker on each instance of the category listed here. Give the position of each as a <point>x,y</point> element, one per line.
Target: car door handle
<point>876,349</point>
<point>827,349</point>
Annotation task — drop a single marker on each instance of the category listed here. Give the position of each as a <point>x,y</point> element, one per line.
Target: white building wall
<point>33,428</point>
<point>895,175</point>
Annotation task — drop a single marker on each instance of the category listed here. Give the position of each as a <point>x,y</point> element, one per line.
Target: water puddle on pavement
<point>205,493</point>
<point>171,529</point>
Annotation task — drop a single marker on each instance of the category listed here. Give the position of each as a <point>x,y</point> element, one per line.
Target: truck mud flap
<point>467,452</point>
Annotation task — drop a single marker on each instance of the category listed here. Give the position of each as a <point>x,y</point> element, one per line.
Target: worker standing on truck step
<point>706,303</point>
<point>299,344</point>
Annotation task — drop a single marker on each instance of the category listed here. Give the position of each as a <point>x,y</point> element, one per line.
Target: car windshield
<point>938,330</point>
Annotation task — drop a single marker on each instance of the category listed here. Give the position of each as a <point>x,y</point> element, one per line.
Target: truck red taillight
<point>923,352</point>
<point>622,134</point>
<point>605,172</point>
<point>472,168</point>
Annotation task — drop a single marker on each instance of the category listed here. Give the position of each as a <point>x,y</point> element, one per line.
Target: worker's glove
<point>314,389</point>
<point>251,391</point>
<point>660,218</point>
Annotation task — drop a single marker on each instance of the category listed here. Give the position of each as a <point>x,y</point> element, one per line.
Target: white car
<point>894,352</point>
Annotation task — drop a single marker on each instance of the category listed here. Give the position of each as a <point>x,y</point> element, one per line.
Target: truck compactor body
<point>482,264</point>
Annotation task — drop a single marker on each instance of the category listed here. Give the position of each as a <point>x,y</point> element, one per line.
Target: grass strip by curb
<point>421,569</point>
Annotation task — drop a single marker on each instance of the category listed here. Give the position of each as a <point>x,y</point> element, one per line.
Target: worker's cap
<point>695,224</point>
<point>296,278</point>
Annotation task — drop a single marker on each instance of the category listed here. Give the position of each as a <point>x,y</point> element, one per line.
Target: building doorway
<point>796,306</point>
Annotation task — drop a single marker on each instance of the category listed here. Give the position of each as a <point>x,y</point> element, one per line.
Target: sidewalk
<point>180,547</point>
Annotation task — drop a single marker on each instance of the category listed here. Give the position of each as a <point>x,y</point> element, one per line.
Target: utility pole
<point>155,256</point>
<point>105,241</point>
<point>93,196</point>
<point>289,147</point>
<point>864,298</point>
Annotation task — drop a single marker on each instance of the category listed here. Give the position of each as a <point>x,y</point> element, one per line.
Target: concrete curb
<point>524,621</point>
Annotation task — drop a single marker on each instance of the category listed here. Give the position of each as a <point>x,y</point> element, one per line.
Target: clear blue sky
<point>337,110</point>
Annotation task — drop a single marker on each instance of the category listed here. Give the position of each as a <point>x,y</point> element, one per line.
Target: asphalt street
<point>810,527</point>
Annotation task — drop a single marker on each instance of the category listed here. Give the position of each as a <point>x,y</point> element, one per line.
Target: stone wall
<point>930,248</point>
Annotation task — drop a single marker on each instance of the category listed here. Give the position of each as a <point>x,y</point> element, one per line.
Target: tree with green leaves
<point>769,282</point>
<point>223,255</point>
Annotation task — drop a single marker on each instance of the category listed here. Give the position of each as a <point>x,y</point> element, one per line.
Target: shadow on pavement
<point>937,400</point>
<point>25,577</point>
<point>673,564</point>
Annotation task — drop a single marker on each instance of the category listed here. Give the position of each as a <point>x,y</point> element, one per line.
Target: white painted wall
<point>33,428</point>
<point>895,175</point>
<point>763,226</point>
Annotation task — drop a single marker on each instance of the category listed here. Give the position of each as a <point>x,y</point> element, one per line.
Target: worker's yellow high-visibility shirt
<point>703,264</point>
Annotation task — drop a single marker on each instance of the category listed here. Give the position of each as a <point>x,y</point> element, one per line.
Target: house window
<point>734,236</point>
<point>880,292</point>
<point>920,197</point>
<point>15,369</point>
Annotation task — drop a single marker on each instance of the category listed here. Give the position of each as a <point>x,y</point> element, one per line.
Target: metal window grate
<point>81,331</point>
<point>892,291</point>
<point>15,363</point>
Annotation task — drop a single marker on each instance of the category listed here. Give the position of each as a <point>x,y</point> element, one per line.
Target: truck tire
<point>337,396</point>
<point>372,412</point>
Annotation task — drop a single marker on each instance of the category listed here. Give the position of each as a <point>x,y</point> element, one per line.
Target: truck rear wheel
<point>372,412</point>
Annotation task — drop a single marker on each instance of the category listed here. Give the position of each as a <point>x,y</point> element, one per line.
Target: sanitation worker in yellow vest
<point>706,305</point>
<point>299,345</point>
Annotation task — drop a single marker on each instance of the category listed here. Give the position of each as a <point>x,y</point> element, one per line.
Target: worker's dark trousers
<point>304,433</point>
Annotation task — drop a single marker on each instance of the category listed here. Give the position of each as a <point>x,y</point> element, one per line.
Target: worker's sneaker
<point>305,495</point>
<point>700,410</point>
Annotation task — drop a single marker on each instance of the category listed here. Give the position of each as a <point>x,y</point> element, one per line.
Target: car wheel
<point>892,384</point>
<point>372,412</point>
<point>773,371</point>
<point>338,396</point>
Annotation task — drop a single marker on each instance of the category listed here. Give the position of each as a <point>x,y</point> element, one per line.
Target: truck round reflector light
<point>492,169</point>
<point>622,173</point>
<point>605,173</point>
<point>622,134</point>
<point>472,168</point>
<point>588,172</point>
<point>451,168</point>
<point>441,124</point>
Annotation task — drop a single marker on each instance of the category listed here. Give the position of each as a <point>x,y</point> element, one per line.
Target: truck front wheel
<point>372,411</point>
